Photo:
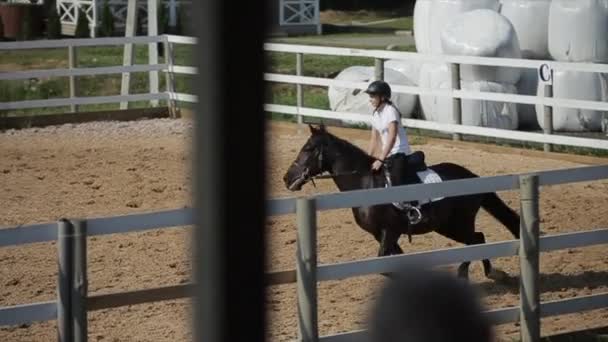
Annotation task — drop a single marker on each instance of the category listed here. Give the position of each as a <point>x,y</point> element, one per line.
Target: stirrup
<point>413,214</point>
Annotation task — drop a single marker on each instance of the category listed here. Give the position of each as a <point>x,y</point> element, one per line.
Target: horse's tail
<point>500,211</point>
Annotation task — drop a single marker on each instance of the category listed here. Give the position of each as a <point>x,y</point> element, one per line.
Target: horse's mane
<point>347,147</point>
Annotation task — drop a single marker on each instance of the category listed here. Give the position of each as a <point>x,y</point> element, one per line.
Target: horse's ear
<point>322,128</point>
<point>313,130</point>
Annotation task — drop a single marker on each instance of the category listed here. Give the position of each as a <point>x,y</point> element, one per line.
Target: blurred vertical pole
<point>529,290</point>
<point>79,282</point>
<point>306,268</point>
<point>229,168</point>
<point>456,102</point>
<point>65,232</point>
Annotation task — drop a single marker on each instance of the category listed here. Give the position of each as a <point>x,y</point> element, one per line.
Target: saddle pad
<point>429,176</point>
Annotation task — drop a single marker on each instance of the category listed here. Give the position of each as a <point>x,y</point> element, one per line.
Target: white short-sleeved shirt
<point>380,122</point>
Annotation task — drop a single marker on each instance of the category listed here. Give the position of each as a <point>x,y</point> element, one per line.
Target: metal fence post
<point>79,282</point>
<point>456,102</point>
<point>299,91</point>
<point>379,69</point>
<point>130,25</point>
<point>306,268</point>
<point>548,122</point>
<point>64,280</point>
<point>153,48</point>
<point>72,64</point>
<point>529,255</point>
<point>170,78</point>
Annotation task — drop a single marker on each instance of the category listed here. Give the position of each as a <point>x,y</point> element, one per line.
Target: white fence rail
<point>171,95</point>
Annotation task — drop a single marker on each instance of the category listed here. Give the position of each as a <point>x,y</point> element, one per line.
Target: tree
<point>53,26</point>
<point>107,21</point>
<point>82,25</point>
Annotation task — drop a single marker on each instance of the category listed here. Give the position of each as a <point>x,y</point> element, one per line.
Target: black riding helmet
<point>379,88</point>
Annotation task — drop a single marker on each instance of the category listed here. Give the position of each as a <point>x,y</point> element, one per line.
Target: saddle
<point>415,165</point>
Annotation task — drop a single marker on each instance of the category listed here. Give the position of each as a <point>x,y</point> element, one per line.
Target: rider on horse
<point>400,164</point>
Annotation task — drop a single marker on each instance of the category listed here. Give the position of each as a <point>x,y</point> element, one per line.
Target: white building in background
<point>288,16</point>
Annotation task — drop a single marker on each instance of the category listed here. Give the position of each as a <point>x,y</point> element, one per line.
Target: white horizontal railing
<point>506,315</point>
<point>448,128</point>
<point>433,58</point>
<point>27,74</point>
<point>81,101</point>
<point>456,255</point>
<point>462,94</point>
<point>10,236</point>
<point>326,82</point>
<point>62,43</point>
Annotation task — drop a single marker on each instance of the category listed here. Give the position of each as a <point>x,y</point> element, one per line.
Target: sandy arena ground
<point>111,168</point>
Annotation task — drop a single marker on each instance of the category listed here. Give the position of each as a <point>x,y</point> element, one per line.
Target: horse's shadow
<point>551,282</point>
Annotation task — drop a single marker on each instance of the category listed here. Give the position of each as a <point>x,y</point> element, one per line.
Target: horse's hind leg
<point>479,239</point>
<point>388,243</point>
<point>463,270</point>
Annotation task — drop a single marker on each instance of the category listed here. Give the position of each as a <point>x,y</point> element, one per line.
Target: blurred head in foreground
<point>418,305</point>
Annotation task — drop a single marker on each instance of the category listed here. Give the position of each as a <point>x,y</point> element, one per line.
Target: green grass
<point>403,23</point>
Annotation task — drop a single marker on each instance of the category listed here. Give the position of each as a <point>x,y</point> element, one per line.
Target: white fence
<point>171,69</point>
<point>380,55</point>
<point>14,236</point>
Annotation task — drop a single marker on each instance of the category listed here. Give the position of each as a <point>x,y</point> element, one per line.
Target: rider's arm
<point>392,137</point>
<point>373,142</point>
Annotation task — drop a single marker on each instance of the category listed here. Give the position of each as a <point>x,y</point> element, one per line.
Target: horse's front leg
<point>388,241</point>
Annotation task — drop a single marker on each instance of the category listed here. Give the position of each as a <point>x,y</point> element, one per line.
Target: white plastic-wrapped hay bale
<point>431,76</point>
<point>442,12</point>
<point>578,30</point>
<point>483,33</point>
<point>409,69</point>
<point>357,101</point>
<point>422,19</point>
<point>474,112</point>
<point>530,18</point>
<point>482,113</point>
<point>580,86</point>
<point>527,85</point>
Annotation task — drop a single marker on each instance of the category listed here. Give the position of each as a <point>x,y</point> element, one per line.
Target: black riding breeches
<point>400,171</point>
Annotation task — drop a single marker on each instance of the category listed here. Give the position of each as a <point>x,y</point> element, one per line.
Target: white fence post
<point>548,113</point>
<point>379,69</point>
<point>170,78</point>
<point>65,232</point>
<point>79,282</point>
<point>299,91</point>
<point>130,25</point>
<point>306,268</point>
<point>73,63</point>
<point>528,255</point>
<point>456,102</point>
<point>153,47</point>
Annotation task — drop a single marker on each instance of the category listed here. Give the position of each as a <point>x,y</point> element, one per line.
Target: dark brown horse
<point>349,166</point>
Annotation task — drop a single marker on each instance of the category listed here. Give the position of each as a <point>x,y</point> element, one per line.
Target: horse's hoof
<point>498,275</point>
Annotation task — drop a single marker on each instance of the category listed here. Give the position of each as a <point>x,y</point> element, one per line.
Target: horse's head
<point>310,161</point>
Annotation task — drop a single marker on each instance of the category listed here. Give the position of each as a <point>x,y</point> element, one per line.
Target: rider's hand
<point>376,165</point>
